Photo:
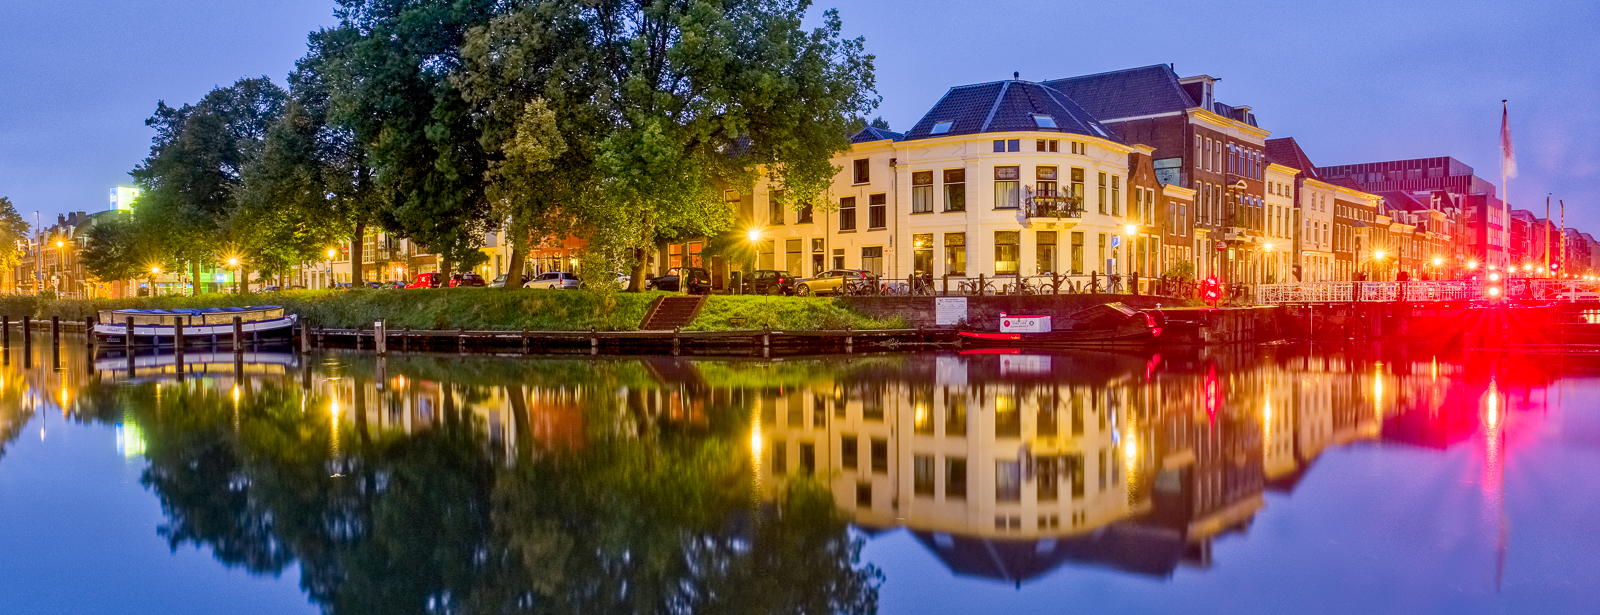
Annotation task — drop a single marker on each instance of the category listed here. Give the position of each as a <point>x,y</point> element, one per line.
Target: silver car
<point>554,279</point>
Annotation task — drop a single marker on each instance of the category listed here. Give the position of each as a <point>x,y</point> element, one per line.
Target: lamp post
<point>155,272</point>
<point>1437,262</point>
<point>233,263</point>
<point>754,234</point>
<point>1378,257</point>
<point>1266,259</point>
<point>331,253</point>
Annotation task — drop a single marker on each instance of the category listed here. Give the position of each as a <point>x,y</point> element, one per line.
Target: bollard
<point>238,335</point>
<point>380,338</point>
<point>849,339</point>
<point>461,340</point>
<point>766,337</point>
<point>524,340</point>
<point>676,345</point>
<point>127,339</point>
<point>946,290</point>
<point>594,342</point>
<point>980,285</point>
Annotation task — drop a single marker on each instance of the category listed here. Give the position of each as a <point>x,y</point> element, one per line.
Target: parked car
<point>374,284</point>
<point>466,279</point>
<point>554,279</point>
<point>500,282</point>
<point>342,286</point>
<point>427,280</point>
<point>269,289</point>
<point>770,282</point>
<point>698,281</point>
<point>831,282</point>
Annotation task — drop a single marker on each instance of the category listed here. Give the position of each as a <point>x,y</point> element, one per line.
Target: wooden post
<point>305,337</point>
<point>127,340</point>
<point>380,338</point>
<point>676,344</point>
<point>461,340</point>
<point>5,331</point>
<point>238,335</point>
<point>946,290</point>
<point>980,285</point>
<point>766,337</point>
<point>27,331</point>
<point>55,330</point>
<point>88,331</point>
<point>849,339</point>
<point>177,334</point>
<point>594,342</point>
<point>524,340</point>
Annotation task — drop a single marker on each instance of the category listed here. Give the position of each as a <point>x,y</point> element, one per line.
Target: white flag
<point>1508,158</point>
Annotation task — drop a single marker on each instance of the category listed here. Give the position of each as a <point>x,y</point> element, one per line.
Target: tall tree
<point>388,82</point>
<point>196,164</point>
<point>119,249</point>
<point>684,97</point>
<point>13,231</point>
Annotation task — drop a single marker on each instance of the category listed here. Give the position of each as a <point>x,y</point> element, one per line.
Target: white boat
<point>200,326</point>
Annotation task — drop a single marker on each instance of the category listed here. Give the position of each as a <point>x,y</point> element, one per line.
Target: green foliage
<point>117,248</point>
<point>1183,270</point>
<point>13,229</point>
<point>746,312</point>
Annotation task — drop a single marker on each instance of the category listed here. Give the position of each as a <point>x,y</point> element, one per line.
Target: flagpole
<point>1547,235</point>
<point>1506,160</point>
<point>1563,235</point>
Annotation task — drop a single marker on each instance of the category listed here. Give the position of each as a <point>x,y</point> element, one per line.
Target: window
<point>1007,417</point>
<point>1102,254</point>
<point>1049,480</point>
<point>955,190</point>
<point>940,128</point>
<point>955,253</point>
<point>838,258</point>
<point>791,261</point>
<point>955,477</point>
<point>1006,252</point>
<point>1077,187</point>
<point>872,259</point>
<point>1116,195</point>
<point>1014,145</point>
<point>1045,252</point>
<point>1136,210</point>
<point>1102,193</point>
<point>847,213</point>
<point>955,413</point>
<point>1044,121</point>
<point>922,253</point>
<point>1007,481</point>
<point>922,470</point>
<point>922,192</point>
<point>805,215</point>
<point>1047,180</point>
<point>1047,145</point>
<point>1046,426</point>
<point>863,171</point>
<point>776,205</point>
<point>880,456</point>
<point>864,495</point>
<point>1077,253</point>
<point>780,457</point>
<point>999,146</point>
<point>1007,188</point>
<point>877,211</point>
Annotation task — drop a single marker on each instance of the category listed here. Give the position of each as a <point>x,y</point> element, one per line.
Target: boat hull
<point>1061,339</point>
<point>256,331</point>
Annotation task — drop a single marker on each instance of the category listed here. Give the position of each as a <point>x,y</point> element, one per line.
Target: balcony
<point>1052,204</point>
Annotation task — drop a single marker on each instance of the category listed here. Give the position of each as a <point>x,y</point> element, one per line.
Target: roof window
<point>1044,121</point>
<point>941,127</point>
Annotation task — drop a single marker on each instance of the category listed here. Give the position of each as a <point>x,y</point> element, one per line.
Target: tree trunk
<point>661,250</point>
<point>356,243</point>
<point>194,278</point>
<point>636,279</point>
<point>519,253</point>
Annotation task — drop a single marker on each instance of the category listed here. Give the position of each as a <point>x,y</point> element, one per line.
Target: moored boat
<point>1112,324</point>
<point>262,323</point>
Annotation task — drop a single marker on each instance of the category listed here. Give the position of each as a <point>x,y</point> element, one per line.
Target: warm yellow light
<point>1267,246</point>
<point>155,270</point>
<point>1437,261</point>
<point>331,252</point>
<point>1379,254</point>
<point>1494,291</point>
<point>1472,264</point>
<point>1494,277</point>
<point>754,234</point>
<point>60,243</point>
<point>1131,229</point>
<point>233,262</point>
<point>755,438</point>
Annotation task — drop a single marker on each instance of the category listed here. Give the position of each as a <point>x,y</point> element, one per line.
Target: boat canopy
<point>191,316</point>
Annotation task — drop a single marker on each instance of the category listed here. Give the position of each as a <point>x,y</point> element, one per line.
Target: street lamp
<point>155,272</point>
<point>233,263</point>
<point>331,253</point>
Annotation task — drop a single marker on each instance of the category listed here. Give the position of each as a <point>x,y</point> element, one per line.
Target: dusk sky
<point>1352,81</point>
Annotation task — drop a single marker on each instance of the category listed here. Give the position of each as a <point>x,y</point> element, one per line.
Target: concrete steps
<point>670,313</point>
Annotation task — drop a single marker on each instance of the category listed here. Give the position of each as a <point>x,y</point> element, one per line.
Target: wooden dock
<point>756,342</point>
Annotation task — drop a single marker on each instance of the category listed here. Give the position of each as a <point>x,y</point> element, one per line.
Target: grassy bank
<point>479,309</point>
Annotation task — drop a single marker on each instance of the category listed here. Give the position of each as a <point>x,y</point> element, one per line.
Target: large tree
<point>196,165</point>
<point>13,231</point>
<point>675,100</point>
<point>388,80</point>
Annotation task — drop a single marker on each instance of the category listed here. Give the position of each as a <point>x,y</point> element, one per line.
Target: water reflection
<point>434,484</point>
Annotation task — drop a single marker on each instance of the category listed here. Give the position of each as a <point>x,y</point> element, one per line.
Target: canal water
<point>1221,480</point>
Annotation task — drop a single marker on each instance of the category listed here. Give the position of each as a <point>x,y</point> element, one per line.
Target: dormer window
<point>1044,121</point>
<point>940,128</point>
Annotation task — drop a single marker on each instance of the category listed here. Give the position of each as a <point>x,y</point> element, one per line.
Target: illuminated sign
<point>122,197</point>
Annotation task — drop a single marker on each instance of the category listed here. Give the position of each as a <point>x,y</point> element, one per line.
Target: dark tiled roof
<point>870,134</point>
<point>1287,152</point>
<point>1127,93</point>
<point>1007,106</point>
<point>1123,547</point>
<point>1346,182</point>
<point>1401,201</point>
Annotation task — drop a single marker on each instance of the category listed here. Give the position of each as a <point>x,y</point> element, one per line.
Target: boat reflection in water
<point>432,484</point>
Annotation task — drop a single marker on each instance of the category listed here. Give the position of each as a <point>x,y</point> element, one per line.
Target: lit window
<point>941,128</point>
<point>1044,121</point>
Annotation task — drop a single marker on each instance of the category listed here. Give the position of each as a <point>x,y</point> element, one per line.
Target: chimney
<point>61,219</point>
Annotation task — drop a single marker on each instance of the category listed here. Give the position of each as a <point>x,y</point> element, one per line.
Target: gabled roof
<point>1007,106</point>
<point>1402,201</point>
<point>1286,151</point>
<point>870,134</point>
<point>1131,92</point>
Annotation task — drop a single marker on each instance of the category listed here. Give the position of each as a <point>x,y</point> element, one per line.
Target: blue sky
<point>1353,81</point>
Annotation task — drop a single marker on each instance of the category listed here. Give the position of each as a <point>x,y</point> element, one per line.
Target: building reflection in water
<point>1003,466</point>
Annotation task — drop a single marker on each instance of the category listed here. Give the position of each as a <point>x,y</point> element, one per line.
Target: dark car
<point>770,282</point>
<point>698,281</point>
<point>833,281</point>
<point>467,279</point>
